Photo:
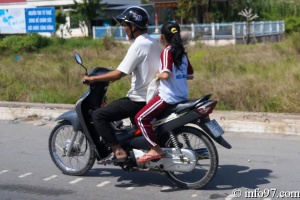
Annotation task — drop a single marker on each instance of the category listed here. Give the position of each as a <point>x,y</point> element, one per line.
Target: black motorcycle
<point>184,131</point>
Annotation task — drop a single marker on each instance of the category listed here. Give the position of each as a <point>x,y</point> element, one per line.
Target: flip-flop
<point>147,158</point>
<point>111,158</point>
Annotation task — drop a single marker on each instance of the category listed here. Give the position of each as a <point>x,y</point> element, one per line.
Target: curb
<point>231,121</point>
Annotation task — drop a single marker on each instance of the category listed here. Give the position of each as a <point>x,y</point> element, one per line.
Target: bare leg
<point>155,153</point>
<point>119,151</point>
<point>156,150</point>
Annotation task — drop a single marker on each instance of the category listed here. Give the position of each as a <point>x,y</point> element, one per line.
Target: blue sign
<point>40,20</point>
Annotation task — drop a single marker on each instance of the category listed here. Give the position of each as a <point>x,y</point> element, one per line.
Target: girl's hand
<point>163,75</point>
<point>157,75</point>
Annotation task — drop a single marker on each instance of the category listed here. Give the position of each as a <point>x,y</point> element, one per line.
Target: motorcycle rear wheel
<point>82,157</point>
<point>207,155</point>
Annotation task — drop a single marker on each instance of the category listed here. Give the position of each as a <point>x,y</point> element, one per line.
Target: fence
<point>213,31</point>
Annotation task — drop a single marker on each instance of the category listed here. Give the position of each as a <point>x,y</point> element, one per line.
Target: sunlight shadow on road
<point>132,179</point>
<point>231,177</point>
<point>228,177</point>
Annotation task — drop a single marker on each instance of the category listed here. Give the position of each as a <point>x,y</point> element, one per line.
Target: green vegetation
<point>87,11</point>
<point>195,11</point>
<point>261,77</point>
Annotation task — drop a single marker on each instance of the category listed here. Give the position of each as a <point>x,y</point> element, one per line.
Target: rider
<point>142,63</point>
<point>174,72</point>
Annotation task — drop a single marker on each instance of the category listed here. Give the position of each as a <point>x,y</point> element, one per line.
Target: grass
<point>261,77</point>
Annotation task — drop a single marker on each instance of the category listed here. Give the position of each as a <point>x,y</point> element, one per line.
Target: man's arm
<point>110,76</point>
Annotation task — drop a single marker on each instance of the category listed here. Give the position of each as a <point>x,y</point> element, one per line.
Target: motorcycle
<point>184,131</point>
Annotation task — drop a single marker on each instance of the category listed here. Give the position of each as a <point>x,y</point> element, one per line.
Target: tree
<point>187,9</point>
<point>60,18</point>
<point>249,17</point>
<point>88,10</point>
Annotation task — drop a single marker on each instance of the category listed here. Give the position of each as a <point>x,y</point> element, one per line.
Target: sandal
<point>111,158</point>
<point>147,158</point>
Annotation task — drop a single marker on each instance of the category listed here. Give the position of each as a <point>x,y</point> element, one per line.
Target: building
<point>73,28</point>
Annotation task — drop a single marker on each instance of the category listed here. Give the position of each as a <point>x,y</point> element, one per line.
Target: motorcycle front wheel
<point>207,155</point>
<point>82,157</point>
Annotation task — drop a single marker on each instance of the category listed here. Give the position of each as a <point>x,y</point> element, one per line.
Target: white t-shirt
<point>142,61</point>
<point>175,89</point>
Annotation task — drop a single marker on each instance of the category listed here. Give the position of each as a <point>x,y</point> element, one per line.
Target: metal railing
<point>204,31</point>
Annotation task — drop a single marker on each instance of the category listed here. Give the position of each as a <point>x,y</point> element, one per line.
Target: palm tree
<point>88,10</point>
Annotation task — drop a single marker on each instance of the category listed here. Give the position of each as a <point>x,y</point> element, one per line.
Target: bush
<point>292,24</point>
<point>34,42</point>
<point>109,42</point>
<point>24,43</point>
<point>12,43</point>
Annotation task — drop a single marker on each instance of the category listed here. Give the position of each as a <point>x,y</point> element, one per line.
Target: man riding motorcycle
<point>142,62</point>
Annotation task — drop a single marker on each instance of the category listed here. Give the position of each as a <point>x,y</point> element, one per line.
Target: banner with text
<point>40,20</point>
<point>27,20</point>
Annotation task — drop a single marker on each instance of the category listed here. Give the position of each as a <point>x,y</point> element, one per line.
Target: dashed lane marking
<point>194,195</point>
<point>50,177</point>
<point>76,180</point>
<point>130,188</point>
<point>103,183</point>
<point>166,188</point>
<point>4,171</point>
<point>24,175</point>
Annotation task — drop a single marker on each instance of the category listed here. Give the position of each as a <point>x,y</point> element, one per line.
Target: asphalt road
<point>258,165</point>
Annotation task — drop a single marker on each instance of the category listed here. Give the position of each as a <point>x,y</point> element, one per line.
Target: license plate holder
<point>214,128</point>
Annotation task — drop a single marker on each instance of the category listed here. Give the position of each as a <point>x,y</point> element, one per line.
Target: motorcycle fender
<point>178,122</point>
<point>72,117</point>
<point>171,161</point>
<point>220,140</point>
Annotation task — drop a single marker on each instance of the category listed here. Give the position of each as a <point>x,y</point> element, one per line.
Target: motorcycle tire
<point>81,158</point>
<point>207,155</point>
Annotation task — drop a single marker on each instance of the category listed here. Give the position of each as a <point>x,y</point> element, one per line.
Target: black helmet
<point>136,15</point>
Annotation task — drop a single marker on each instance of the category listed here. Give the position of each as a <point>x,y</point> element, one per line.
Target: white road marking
<point>4,171</point>
<point>194,195</point>
<point>166,188</point>
<point>24,175</point>
<point>230,197</point>
<point>130,188</point>
<point>76,180</point>
<point>104,173</point>
<point>50,177</point>
<point>103,183</point>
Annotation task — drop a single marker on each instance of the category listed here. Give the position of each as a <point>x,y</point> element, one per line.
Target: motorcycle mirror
<point>78,58</point>
<point>79,61</point>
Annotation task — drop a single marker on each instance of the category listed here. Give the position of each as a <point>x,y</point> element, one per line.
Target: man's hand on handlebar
<point>87,80</point>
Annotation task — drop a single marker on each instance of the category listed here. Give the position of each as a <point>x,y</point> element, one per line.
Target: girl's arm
<point>190,77</point>
<point>190,71</point>
<point>163,75</point>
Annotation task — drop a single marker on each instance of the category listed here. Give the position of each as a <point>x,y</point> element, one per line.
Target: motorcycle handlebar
<point>86,82</point>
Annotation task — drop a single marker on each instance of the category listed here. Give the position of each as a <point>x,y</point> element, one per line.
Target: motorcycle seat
<point>184,106</point>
